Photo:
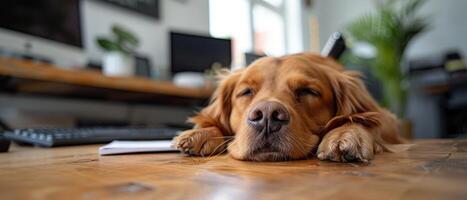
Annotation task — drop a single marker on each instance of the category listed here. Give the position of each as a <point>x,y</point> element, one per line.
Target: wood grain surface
<point>91,78</point>
<point>428,169</point>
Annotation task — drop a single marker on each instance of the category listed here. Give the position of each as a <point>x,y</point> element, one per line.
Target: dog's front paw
<point>348,143</point>
<point>200,142</point>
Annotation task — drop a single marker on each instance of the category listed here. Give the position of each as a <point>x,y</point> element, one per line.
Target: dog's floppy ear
<point>350,94</point>
<point>217,114</point>
<point>353,103</point>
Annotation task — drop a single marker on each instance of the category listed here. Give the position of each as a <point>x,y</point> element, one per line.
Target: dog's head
<point>278,107</point>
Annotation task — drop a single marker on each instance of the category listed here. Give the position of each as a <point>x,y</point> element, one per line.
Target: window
<point>269,31</point>
<point>255,26</point>
<point>230,19</point>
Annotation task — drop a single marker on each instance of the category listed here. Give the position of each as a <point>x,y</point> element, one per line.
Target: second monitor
<point>196,53</point>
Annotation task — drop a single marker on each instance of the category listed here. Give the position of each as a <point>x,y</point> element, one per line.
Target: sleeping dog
<point>288,108</point>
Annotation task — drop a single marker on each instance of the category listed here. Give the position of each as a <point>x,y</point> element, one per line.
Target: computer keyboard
<point>51,137</point>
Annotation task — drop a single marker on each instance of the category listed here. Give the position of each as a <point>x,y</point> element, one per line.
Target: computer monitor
<point>252,57</point>
<point>196,53</point>
<point>47,28</point>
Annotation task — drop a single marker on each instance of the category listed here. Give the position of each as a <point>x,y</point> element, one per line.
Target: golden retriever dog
<point>291,107</point>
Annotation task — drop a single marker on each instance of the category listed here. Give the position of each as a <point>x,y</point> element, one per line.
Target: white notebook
<point>122,147</point>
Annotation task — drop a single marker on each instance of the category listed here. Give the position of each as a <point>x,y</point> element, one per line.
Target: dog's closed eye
<point>305,91</point>
<point>245,92</point>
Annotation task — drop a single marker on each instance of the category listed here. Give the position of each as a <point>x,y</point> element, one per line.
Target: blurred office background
<point>159,35</point>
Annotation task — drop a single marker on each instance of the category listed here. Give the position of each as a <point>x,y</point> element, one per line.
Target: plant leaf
<point>108,45</point>
<point>390,30</point>
<point>125,36</point>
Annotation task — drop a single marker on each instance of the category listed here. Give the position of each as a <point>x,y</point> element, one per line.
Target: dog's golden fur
<point>337,121</point>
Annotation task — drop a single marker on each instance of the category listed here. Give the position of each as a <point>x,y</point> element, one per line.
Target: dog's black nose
<point>268,116</point>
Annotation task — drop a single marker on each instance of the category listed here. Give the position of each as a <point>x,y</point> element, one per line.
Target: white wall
<point>449,28</point>
<point>449,25</point>
<point>190,16</point>
<point>334,15</point>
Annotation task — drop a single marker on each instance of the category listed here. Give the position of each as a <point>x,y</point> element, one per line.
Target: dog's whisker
<point>222,137</point>
<point>300,148</point>
<point>211,157</point>
<point>220,145</point>
<point>216,155</point>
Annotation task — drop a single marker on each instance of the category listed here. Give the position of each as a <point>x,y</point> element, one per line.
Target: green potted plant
<point>388,31</point>
<point>120,47</point>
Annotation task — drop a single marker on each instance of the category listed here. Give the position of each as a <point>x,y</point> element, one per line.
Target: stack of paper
<point>122,147</point>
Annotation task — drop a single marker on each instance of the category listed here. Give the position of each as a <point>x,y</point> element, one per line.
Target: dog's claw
<point>347,157</point>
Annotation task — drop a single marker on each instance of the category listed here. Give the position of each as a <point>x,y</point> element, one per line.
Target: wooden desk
<point>46,78</point>
<point>431,169</point>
